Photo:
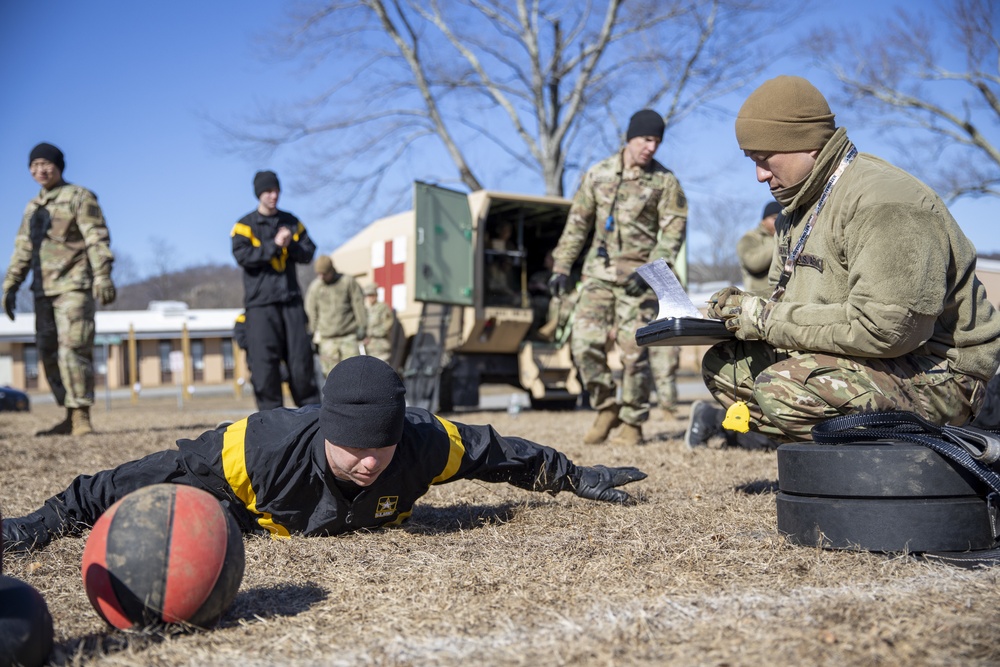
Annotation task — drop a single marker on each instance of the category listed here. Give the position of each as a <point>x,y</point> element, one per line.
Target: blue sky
<point>123,87</point>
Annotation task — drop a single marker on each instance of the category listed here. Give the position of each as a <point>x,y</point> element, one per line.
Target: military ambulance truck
<point>466,275</point>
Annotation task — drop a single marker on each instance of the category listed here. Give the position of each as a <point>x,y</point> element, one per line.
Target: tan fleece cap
<point>323,265</point>
<point>785,114</point>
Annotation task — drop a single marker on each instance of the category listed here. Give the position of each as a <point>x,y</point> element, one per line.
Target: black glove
<point>635,285</point>
<point>10,302</point>
<point>557,284</point>
<point>360,333</point>
<point>599,482</point>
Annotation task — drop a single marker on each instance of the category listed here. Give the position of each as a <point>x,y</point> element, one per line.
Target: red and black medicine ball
<point>163,554</point>
<point>25,624</point>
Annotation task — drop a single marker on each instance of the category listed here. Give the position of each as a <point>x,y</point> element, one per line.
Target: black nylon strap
<point>971,448</point>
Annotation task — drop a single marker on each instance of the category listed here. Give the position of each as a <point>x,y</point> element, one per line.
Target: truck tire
<point>887,469</point>
<point>884,524</point>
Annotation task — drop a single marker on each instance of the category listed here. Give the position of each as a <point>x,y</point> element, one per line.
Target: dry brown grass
<point>487,574</point>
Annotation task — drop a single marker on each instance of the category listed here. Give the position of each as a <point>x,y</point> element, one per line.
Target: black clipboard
<point>683,331</point>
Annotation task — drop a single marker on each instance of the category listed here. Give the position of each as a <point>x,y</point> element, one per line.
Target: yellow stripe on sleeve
<point>454,455</point>
<point>239,229</point>
<point>234,464</point>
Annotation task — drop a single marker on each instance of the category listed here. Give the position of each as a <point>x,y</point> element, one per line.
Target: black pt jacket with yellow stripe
<point>269,271</point>
<point>271,474</point>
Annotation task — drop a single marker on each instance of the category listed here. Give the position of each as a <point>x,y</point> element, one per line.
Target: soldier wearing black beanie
<point>359,461</point>
<point>48,152</point>
<point>267,244</point>
<point>265,181</point>
<point>645,123</point>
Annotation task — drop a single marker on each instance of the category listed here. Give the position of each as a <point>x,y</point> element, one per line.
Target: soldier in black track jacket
<point>360,460</point>
<point>267,244</point>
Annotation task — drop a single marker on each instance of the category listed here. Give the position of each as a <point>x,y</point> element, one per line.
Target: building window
<point>228,362</point>
<point>166,347</point>
<point>30,367</point>
<point>198,360</point>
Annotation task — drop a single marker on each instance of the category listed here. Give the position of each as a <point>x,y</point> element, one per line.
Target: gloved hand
<point>748,317</point>
<point>557,284</point>
<point>727,297</point>
<point>360,333</point>
<point>635,285</point>
<point>599,482</point>
<point>104,290</point>
<point>10,302</point>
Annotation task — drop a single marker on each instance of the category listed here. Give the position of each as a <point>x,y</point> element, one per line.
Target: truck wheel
<point>889,469</point>
<point>882,524</point>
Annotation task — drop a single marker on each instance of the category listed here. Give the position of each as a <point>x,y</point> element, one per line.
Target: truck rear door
<point>444,246</point>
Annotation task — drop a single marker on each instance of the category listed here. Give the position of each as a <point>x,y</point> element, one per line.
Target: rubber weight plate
<point>890,469</point>
<point>907,524</point>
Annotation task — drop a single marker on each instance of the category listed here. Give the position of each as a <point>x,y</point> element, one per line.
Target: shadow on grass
<point>457,518</point>
<point>251,605</point>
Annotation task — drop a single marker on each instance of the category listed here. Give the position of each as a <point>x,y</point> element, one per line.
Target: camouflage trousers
<point>664,360</point>
<point>335,349</point>
<point>380,348</point>
<point>606,314</point>
<point>64,333</point>
<point>788,392</point>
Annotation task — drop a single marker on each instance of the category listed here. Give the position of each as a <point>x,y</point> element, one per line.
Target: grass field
<point>487,574</point>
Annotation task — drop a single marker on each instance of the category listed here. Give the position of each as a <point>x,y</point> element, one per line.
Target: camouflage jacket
<point>62,240</point>
<point>650,219</point>
<point>380,320</point>
<point>756,250</point>
<point>336,309</point>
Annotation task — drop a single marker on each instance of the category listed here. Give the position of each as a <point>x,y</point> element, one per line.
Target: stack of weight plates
<point>888,496</point>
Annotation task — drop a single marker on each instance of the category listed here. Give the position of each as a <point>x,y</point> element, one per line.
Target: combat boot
<point>750,440</point>
<point>81,421</point>
<point>630,435</point>
<point>24,534</point>
<point>607,419</point>
<point>65,427</point>
<point>704,423</point>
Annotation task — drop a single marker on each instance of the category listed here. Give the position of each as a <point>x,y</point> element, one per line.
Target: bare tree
<point>714,244</point>
<point>491,87</point>
<point>899,74</point>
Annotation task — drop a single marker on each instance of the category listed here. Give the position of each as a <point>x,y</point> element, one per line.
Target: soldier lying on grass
<point>359,460</point>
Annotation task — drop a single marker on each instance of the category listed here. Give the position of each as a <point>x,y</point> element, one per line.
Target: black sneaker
<point>705,422</point>
<point>24,534</point>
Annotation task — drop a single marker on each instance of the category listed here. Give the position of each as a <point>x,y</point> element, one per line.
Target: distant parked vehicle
<point>14,400</point>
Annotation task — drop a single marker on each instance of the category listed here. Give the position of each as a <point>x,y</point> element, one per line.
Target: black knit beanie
<point>771,208</point>
<point>47,152</point>
<point>645,123</point>
<point>363,404</point>
<point>264,181</point>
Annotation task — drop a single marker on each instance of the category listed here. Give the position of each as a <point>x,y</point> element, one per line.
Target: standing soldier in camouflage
<point>337,315</point>
<point>381,319</point>
<point>637,211</point>
<point>876,306</point>
<point>64,242</point>
<point>267,244</point>
<point>755,250</point>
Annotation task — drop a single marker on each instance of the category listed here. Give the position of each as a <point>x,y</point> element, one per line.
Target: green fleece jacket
<point>885,272</point>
